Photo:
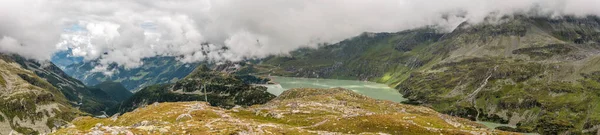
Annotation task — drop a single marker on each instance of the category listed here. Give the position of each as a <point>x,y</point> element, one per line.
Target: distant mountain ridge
<point>155,70</point>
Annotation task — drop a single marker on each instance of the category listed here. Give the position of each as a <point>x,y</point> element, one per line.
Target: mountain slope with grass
<point>28,103</point>
<point>297,111</point>
<point>87,99</point>
<point>539,74</point>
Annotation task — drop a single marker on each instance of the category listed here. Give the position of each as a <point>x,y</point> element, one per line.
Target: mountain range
<point>538,74</point>
<point>154,70</point>
<point>87,99</point>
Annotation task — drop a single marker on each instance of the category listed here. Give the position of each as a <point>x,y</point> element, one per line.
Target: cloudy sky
<point>125,31</point>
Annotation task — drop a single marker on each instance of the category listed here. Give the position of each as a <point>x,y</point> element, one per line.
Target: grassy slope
<point>536,79</point>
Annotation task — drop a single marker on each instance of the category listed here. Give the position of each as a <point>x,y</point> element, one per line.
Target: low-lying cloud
<point>125,31</point>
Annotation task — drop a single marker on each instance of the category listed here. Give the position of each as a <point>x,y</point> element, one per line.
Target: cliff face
<point>28,103</point>
<point>297,111</point>
<point>539,74</point>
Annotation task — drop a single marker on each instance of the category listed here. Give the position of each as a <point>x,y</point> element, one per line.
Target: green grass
<point>293,120</point>
<point>2,81</point>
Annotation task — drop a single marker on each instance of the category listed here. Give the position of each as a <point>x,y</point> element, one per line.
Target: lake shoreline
<point>278,84</point>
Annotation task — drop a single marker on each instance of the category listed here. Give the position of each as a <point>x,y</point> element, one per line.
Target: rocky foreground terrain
<point>28,103</point>
<point>296,111</point>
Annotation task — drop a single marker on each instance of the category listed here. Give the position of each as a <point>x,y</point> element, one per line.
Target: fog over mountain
<point>125,31</point>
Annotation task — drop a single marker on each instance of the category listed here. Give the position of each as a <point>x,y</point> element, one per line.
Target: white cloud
<point>126,31</point>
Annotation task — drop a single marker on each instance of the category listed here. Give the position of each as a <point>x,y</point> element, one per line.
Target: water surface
<point>370,89</point>
<point>493,125</point>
